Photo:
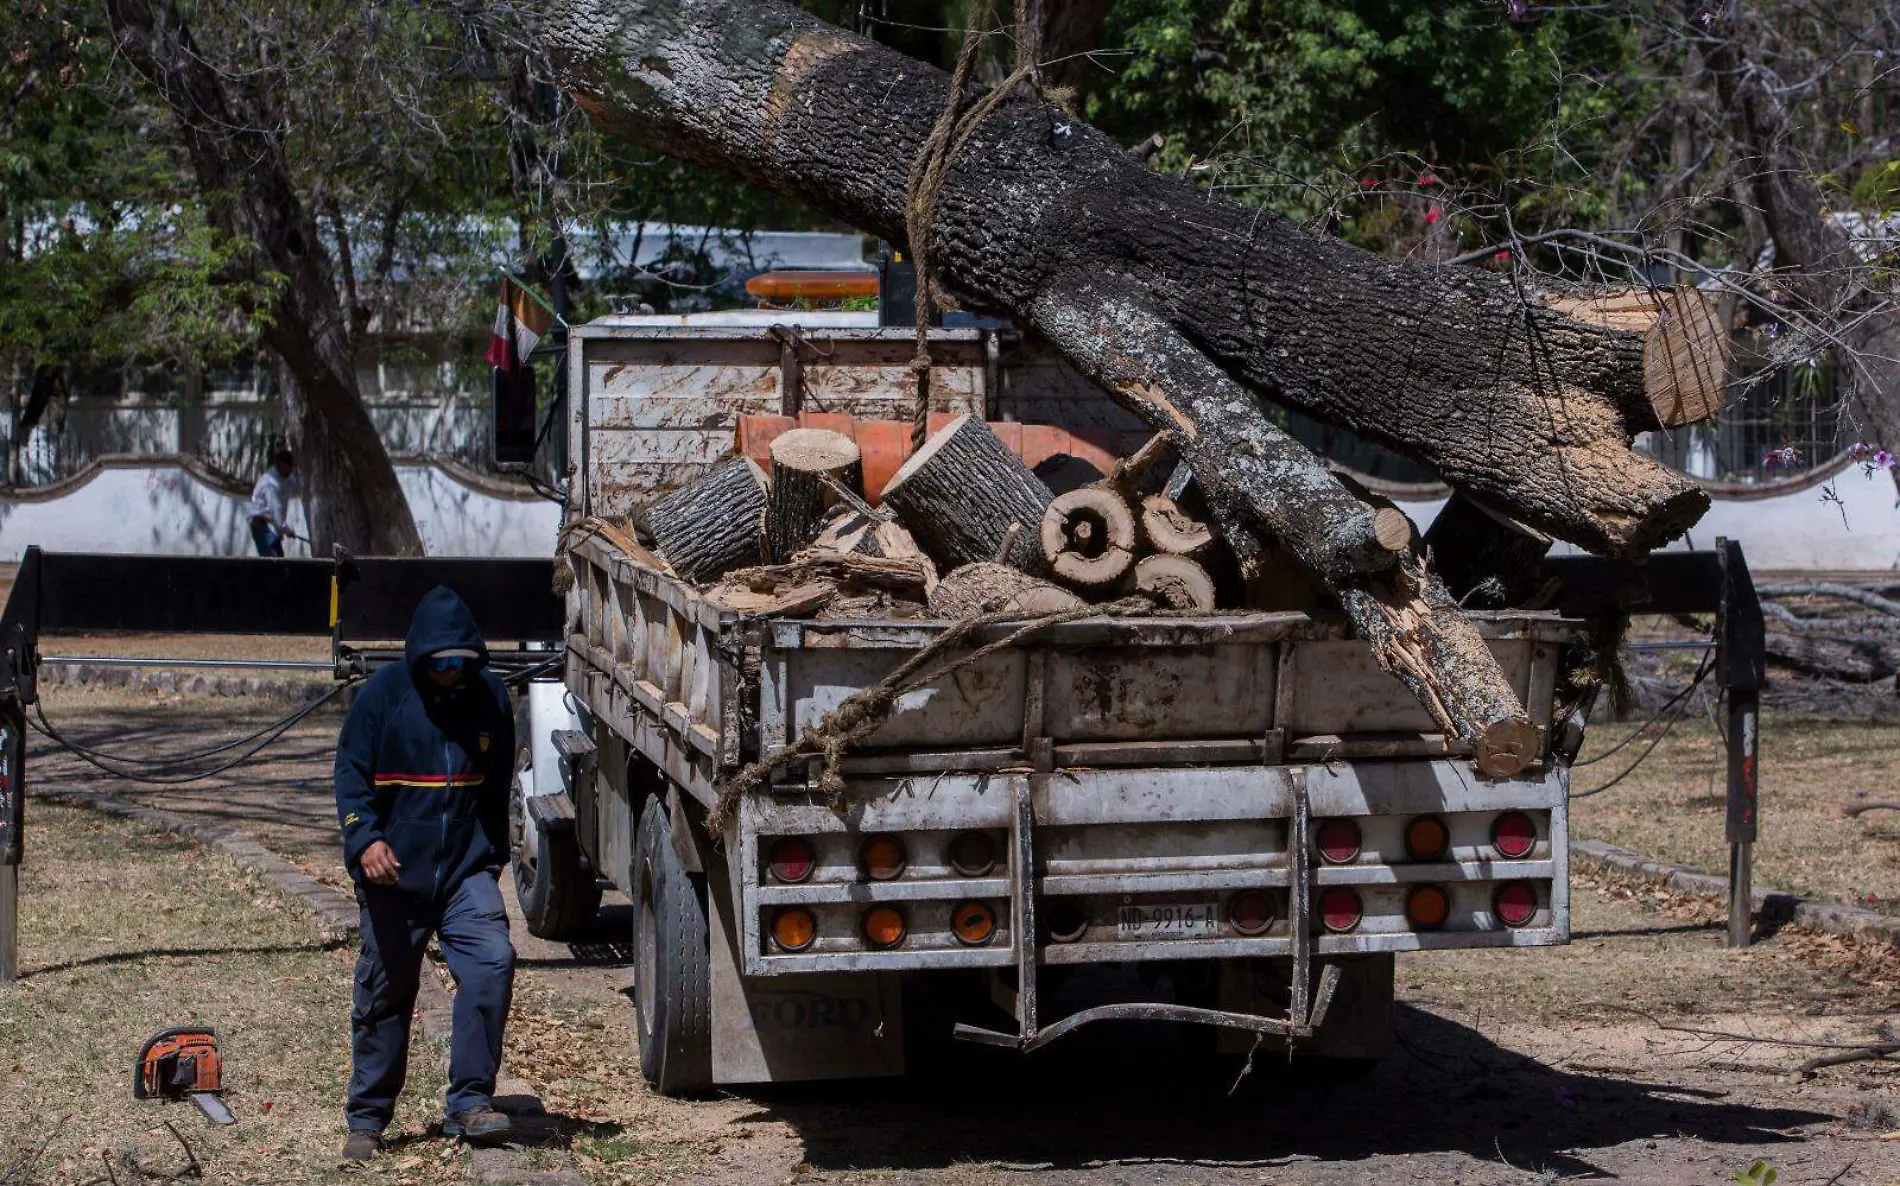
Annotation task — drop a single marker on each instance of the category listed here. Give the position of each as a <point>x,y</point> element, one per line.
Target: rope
<point>940,150</point>
<point>864,711</point>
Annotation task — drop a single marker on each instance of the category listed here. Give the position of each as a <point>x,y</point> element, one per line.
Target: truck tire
<point>560,897</point>
<point>672,987</point>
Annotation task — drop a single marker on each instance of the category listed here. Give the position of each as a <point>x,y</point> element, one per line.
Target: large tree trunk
<point>235,145</point>
<point>1519,403</point>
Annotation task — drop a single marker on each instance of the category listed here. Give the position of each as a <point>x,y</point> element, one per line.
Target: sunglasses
<point>447,664</point>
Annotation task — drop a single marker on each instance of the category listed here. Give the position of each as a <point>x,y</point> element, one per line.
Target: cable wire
<point>275,732</point>
<point>195,755</point>
<point>1660,737</point>
<point>1702,673</point>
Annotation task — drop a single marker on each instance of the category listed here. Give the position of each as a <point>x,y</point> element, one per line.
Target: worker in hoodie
<point>422,780</point>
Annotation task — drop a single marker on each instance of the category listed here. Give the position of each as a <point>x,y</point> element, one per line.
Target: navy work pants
<point>473,929</point>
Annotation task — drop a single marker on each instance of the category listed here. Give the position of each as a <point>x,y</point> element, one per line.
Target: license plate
<point>1166,920</point>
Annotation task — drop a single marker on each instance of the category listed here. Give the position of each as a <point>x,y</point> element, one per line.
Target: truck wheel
<point>672,972</point>
<point>560,897</point>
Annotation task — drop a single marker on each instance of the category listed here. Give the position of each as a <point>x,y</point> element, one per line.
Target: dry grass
<point>1811,771</point>
<point>126,932</point>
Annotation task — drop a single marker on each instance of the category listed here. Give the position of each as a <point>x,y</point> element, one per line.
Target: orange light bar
<point>794,928</point>
<point>812,286</point>
<point>973,922</point>
<point>883,927</point>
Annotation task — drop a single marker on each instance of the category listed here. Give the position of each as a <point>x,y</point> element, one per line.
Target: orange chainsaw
<point>183,1064</point>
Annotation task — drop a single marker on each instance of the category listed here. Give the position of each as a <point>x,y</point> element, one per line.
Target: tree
<point>232,126</point>
<point>1188,310</point>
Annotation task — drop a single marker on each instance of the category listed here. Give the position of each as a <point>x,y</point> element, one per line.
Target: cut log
<point>1685,347</point>
<point>848,531</point>
<point>1487,560</point>
<point>959,494</point>
<point>1476,375</point>
<point>712,526</point>
<point>794,601</point>
<point>1168,528</point>
<point>1175,582</point>
<point>1087,538</point>
<point>986,588</point>
<point>807,465</point>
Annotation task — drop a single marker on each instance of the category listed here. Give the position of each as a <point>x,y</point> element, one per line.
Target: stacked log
<point>712,526</point>
<point>961,493</point>
<point>810,469</point>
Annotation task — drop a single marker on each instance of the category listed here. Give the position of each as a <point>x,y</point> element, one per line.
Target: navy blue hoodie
<point>427,769</point>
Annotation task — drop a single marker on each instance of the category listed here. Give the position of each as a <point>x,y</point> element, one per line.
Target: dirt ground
<point>1516,1066</point>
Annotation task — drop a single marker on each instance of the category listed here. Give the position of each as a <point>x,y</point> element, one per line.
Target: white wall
<point>1796,531</point>
<point>165,509</point>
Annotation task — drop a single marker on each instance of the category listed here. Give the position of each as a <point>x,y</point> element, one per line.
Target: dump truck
<point>1237,818</point>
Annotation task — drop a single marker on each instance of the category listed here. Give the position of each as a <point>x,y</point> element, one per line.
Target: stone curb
<point>1770,906</point>
<point>172,682</point>
<point>337,918</point>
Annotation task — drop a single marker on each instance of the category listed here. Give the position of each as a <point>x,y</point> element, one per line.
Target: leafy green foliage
<point>1758,1174</point>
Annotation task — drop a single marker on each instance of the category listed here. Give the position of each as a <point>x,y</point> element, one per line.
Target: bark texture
<point>986,588</point>
<point>1521,404</point>
<point>806,464</point>
<point>961,493</point>
<point>233,140</point>
<point>715,525</point>
<point>1486,560</point>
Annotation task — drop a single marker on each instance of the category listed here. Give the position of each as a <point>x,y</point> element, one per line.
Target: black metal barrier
<point>1714,582</point>
<point>351,600</point>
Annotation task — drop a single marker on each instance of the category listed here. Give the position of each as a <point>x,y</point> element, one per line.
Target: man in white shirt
<point>270,505</point>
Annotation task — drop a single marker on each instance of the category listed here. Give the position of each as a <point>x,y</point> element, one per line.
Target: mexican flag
<point>519,324</point>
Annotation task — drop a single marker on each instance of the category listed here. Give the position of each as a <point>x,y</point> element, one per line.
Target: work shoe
<point>362,1145</point>
<point>479,1126</point>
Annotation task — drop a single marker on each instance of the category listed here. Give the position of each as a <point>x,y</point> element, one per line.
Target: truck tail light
<point>1339,909</point>
<point>1426,838</point>
<point>1338,841</point>
<point>972,854</point>
<point>883,927</point>
<point>1514,835</point>
<point>882,857</point>
<point>1251,912</point>
<point>1427,907</point>
<point>973,923</point>
<point>792,860</point>
<point>794,928</point>
<point>1515,904</point>
<point>1066,919</point>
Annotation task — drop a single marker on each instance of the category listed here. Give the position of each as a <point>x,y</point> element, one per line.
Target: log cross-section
<point>808,466</point>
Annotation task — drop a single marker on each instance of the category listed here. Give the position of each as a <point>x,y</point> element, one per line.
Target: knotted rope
<point>952,132</point>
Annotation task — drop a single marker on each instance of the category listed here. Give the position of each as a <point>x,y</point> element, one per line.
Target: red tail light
<point>791,860</point>
<point>1514,835</point>
<point>883,857</point>
<point>972,854</point>
<point>1338,841</point>
<point>1339,909</point>
<point>1516,904</point>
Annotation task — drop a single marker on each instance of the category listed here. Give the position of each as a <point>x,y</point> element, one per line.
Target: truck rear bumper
<point>1099,866</point>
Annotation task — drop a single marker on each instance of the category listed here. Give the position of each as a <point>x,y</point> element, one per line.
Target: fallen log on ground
<point>1859,660</point>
